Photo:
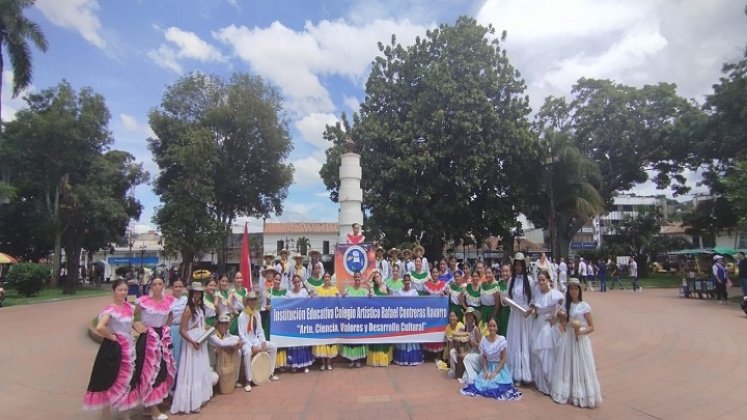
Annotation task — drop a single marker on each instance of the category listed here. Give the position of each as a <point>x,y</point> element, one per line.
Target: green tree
<point>99,209</point>
<point>736,192</point>
<point>636,236</point>
<point>567,192</point>
<point>303,244</point>
<point>15,32</point>
<point>50,148</point>
<point>444,139</point>
<point>239,130</point>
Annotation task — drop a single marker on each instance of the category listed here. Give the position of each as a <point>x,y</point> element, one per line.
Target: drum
<point>228,366</point>
<point>261,367</point>
<point>460,343</point>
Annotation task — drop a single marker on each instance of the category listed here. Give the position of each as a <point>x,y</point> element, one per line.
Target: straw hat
<point>394,252</point>
<point>298,257</point>
<point>418,248</point>
<point>472,311</point>
<point>519,256</point>
<point>574,282</point>
<point>406,252</point>
<point>197,286</point>
<point>201,274</point>
<point>269,256</point>
<point>251,295</point>
<point>284,251</point>
<point>380,248</point>
<point>314,252</point>
<point>224,318</point>
<point>268,269</point>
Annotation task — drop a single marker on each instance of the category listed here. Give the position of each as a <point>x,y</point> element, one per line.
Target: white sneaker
<point>247,388</point>
<point>274,378</point>
<point>323,367</point>
<point>306,370</point>
<point>329,367</point>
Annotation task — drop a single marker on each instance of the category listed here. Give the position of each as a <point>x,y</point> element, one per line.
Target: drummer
<point>253,338</point>
<point>227,345</point>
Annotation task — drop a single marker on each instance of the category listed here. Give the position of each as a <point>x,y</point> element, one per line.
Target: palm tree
<point>303,243</point>
<point>15,31</point>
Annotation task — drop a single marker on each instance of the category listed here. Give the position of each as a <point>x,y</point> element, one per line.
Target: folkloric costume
<point>520,331</point>
<point>297,357</point>
<point>574,377</point>
<point>281,357</point>
<point>354,352</point>
<point>382,265</point>
<point>408,354</point>
<point>252,334</point>
<point>177,309</point>
<point>455,291</point>
<point>379,354</point>
<point>326,350</point>
<point>155,369</point>
<point>543,343</point>
<point>115,362</point>
<point>434,288</point>
<point>237,296</point>
<point>487,301</point>
<point>419,279</point>
<point>501,387</point>
<point>194,386</point>
<point>226,344</point>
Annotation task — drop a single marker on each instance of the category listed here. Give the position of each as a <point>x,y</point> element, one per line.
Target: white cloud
<point>555,43</point>
<point>79,15</point>
<point>352,103</point>
<point>306,173</point>
<point>297,60</point>
<point>11,105</point>
<point>129,122</point>
<point>312,128</point>
<point>186,45</point>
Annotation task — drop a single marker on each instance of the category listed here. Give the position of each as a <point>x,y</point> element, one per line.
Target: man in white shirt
<point>253,337</point>
<point>227,345</point>
<point>633,271</point>
<point>563,274</point>
<point>382,264</point>
<point>582,271</point>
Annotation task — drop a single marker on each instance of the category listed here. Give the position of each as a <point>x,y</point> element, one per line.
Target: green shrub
<point>28,278</point>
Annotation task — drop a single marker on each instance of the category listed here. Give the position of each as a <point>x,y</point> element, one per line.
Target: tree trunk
<point>185,269</point>
<point>434,248</point>
<point>508,247</point>
<point>56,259</point>
<point>72,254</point>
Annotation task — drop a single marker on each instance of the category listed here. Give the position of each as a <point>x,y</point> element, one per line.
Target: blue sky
<point>318,53</point>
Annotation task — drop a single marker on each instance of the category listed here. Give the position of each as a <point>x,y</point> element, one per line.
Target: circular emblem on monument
<point>354,259</point>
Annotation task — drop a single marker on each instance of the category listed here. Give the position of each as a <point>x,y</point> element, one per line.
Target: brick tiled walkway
<point>658,356</point>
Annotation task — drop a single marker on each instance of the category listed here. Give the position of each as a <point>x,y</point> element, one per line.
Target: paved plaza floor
<point>658,357</point>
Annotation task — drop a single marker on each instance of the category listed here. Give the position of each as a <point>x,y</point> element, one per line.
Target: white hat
<point>224,318</point>
<point>718,257</point>
<point>519,256</point>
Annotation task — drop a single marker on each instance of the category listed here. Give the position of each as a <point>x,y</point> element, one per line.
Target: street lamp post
<point>142,255</point>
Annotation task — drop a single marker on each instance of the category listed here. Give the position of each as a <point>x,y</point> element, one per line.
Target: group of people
<point>520,332</point>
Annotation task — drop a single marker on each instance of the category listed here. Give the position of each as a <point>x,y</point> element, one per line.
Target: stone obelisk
<point>350,195</point>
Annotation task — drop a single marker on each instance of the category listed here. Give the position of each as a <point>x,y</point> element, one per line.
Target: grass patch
<point>12,298</point>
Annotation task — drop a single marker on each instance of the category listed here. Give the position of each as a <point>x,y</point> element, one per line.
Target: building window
<point>325,247</point>
<point>627,208</point>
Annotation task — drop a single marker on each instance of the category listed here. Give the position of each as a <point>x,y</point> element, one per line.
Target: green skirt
<point>486,314</point>
<point>265,315</point>
<point>503,320</point>
<point>354,353</point>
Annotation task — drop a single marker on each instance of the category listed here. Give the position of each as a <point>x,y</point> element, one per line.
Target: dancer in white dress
<point>194,385</point>
<point>545,305</point>
<point>519,335</point>
<point>177,309</point>
<point>575,376</point>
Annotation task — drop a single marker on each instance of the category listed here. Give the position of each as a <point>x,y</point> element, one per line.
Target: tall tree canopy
<point>72,191</point>
<point>444,139</point>
<point>222,147</point>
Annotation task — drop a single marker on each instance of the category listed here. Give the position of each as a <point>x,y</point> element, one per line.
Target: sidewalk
<point>658,356</point>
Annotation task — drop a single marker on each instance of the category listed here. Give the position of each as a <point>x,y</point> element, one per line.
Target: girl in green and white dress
<point>394,284</point>
<point>315,281</point>
<point>378,354</point>
<point>237,294</point>
<point>455,290</point>
<point>419,276</point>
<point>471,295</point>
<point>490,297</point>
<point>352,352</point>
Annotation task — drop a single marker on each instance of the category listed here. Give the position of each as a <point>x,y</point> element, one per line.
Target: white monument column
<point>350,195</point>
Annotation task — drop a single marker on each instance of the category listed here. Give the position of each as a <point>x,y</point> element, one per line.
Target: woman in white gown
<point>194,385</point>
<point>519,332</point>
<point>575,375</point>
<point>545,304</point>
